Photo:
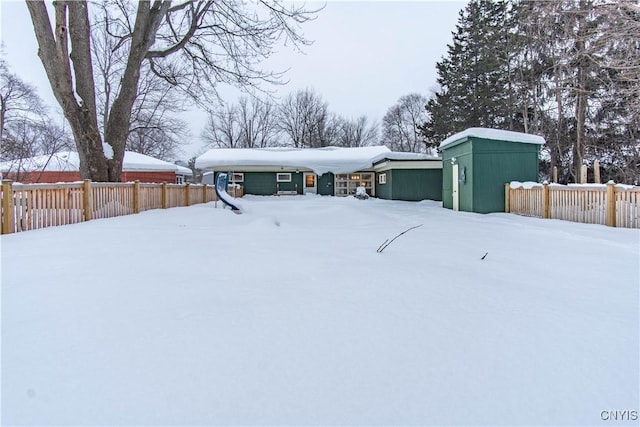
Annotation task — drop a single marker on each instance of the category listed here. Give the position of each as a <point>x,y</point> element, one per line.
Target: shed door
<point>310,183</point>
<point>456,192</point>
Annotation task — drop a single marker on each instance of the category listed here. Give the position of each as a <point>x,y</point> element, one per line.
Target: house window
<point>179,179</point>
<point>382,178</point>
<point>283,177</point>
<point>237,177</point>
<point>346,184</point>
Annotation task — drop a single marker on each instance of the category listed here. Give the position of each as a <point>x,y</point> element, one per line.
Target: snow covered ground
<point>287,315</point>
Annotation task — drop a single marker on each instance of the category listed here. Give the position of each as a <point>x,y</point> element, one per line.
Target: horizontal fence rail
<point>31,206</point>
<point>610,204</point>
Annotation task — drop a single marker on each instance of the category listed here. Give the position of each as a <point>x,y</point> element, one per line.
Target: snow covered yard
<point>287,315</point>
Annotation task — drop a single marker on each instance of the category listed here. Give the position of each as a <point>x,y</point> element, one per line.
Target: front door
<point>456,193</point>
<point>310,183</point>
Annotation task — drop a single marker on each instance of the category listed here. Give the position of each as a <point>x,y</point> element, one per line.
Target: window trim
<point>382,178</point>
<point>237,177</point>
<point>281,179</point>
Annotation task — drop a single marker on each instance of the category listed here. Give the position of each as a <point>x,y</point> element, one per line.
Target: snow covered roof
<point>496,134</point>
<point>319,160</point>
<point>70,161</point>
<point>183,171</point>
<point>395,155</point>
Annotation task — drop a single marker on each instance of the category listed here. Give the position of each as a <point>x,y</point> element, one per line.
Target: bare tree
<point>223,129</point>
<point>357,133</point>
<point>25,139</point>
<point>257,119</point>
<point>191,44</point>
<point>26,130</point>
<point>305,119</point>
<point>401,125</point>
<point>157,135</point>
<point>155,129</point>
<point>19,101</point>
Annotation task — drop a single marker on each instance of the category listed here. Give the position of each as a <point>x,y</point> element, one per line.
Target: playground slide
<point>221,191</point>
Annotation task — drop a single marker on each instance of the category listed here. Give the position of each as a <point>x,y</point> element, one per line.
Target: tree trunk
<point>148,20</point>
<point>93,163</point>
<point>581,94</point>
<point>55,57</point>
<point>556,151</point>
<point>82,117</point>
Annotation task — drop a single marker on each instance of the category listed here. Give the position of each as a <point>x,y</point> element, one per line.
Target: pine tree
<point>476,78</point>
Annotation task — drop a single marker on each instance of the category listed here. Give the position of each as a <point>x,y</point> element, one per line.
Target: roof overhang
<point>491,134</point>
<point>386,164</point>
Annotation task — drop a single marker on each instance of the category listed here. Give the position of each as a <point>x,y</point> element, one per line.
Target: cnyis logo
<point>617,415</point>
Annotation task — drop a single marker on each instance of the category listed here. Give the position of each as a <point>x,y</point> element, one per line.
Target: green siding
<point>496,163</point>
<point>294,185</point>
<point>264,183</point>
<point>489,165</point>
<point>417,184</point>
<point>325,184</point>
<point>259,183</point>
<point>411,185</point>
<point>462,153</point>
<point>384,191</point>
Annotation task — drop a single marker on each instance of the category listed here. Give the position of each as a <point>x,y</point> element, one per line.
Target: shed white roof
<point>496,134</point>
<point>319,160</point>
<point>70,161</point>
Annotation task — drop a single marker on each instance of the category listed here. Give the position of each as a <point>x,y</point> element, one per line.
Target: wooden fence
<point>31,206</point>
<point>610,205</point>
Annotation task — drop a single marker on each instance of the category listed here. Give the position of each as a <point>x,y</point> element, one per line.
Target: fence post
<point>546,208</point>
<point>554,179</point>
<point>596,172</point>
<point>186,194</point>
<point>87,199</point>
<point>583,174</point>
<point>7,207</point>
<point>164,195</point>
<point>507,207</point>
<point>136,196</point>
<point>611,204</point>
<point>204,193</point>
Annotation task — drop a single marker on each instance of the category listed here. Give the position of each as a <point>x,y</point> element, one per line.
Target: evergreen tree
<point>568,70</point>
<point>476,77</point>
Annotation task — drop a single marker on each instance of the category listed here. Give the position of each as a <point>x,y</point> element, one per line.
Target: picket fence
<point>615,206</point>
<point>32,206</point>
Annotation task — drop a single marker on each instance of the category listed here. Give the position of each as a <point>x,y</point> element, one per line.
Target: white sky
<point>364,57</point>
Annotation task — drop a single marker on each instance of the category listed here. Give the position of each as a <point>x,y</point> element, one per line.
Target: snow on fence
<point>31,206</point>
<point>610,204</point>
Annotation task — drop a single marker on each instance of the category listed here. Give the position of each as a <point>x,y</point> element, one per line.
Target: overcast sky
<point>365,55</point>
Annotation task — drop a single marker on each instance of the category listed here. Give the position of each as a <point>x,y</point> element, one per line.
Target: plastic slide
<point>221,191</point>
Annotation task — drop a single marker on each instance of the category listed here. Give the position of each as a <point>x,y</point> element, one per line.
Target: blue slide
<point>221,191</point>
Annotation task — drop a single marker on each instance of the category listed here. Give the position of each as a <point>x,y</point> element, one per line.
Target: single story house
<point>334,171</point>
<point>65,167</point>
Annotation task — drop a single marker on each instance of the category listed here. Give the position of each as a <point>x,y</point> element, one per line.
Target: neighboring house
<point>64,167</point>
<point>331,171</point>
<point>183,174</point>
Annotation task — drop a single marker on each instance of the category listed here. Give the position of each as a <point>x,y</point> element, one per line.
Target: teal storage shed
<point>477,162</point>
